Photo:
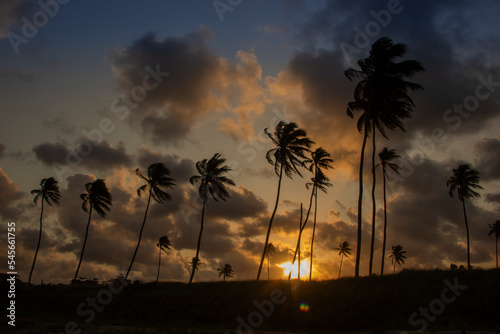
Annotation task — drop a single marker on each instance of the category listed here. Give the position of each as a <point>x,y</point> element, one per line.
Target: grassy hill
<point>455,300</point>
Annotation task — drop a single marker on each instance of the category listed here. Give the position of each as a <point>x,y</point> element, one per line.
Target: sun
<point>304,269</point>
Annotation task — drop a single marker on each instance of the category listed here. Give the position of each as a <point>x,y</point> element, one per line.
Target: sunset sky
<point>177,81</point>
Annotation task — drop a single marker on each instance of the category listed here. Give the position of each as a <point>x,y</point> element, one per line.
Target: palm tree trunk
<point>314,230</point>
<point>301,229</point>
<point>374,208</point>
<point>199,239</point>
<point>385,225</point>
<point>84,243</point>
<point>140,235</point>
<point>159,263</point>
<point>394,267</point>
<point>270,223</point>
<point>360,204</point>
<point>468,238</point>
<point>341,259</point>
<point>38,245</point>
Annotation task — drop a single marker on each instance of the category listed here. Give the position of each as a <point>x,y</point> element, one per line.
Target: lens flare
<point>304,307</point>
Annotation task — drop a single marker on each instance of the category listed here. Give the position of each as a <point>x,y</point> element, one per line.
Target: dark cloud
<point>488,163</point>
<point>11,12</point>
<point>2,150</point>
<point>101,156</point>
<point>60,123</point>
<point>182,81</point>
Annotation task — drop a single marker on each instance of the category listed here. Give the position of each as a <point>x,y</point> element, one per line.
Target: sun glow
<point>304,269</point>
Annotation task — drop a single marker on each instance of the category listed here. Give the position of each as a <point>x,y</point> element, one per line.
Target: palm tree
<point>320,161</point>
<point>225,271</point>
<point>344,250</point>
<point>291,144</point>
<point>495,230</point>
<point>156,179</point>
<point>97,197</point>
<point>270,251</point>
<point>163,244</point>
<point>382,96</point>
<point>464,180</point>
<point>48,192</point>
<point>386,156</point>
<point>398,256</point>
<point>212,180</point>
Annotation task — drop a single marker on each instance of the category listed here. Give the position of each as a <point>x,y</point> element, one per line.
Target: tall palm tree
<point>320,161</point>
<point>344,250</point>
<point>382,96</point>
<point>226,271</point>
<point>291,145</point>
<point>163,244</point>
<point>495,230</point>
<point>48,192</point>
<point>212,181</point>
<point>386,156</point>
<point>464,180</point>
<point>157,178</point>
<point>270,251</point>
<point>97,197</point>
<point>398,256</point>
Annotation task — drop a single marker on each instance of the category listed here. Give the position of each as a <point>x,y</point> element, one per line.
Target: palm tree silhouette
<point>464,180</point>
<point>291,144</point>
<point>320,161</point>
<point>163,245</point>
<point>270,251</point>
<point>344,250</point>
<point>386,156</point>
<point>48,192</point>
<point>156,179</point>
<point>212,180</point>
<point>495,230</point>
<point>382,96</point>
<point>97,197</point>
<point>398,256</point>
<point>225,271</point>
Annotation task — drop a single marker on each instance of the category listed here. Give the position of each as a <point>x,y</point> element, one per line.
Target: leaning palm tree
<point>225,271</point>
<point>163,244</point>
<point>212,181</point>
<point>156,179</point>
<point>398,256</point>
<point>495,230</point>
<point>464,180</point>
<point>386,156</point>
<point>48,192</point>
<point>291,145</point>
<point>382,96</point>
<point>344,250</point>
<point>270,251</point>
<point>97,197</point>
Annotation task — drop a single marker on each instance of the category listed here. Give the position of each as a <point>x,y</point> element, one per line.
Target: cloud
<point>9,195</point>
<point>11,12</point>
<point>2,150</point>
<point>94,156</point>
<point>191,83</point>
<point>60,123</point>
<point>488,163</point>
